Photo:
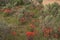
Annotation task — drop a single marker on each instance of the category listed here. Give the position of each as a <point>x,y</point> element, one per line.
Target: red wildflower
<point>7,10</point>
<point>46,35</point>
<point>13,33</point>
<point>30,34</point>
<point>47,31</point>
<point>59,29</point>
<point>33,21</point>
<point>56,35</point>
<point>32,25</point>
<point>22,19</point>
<point>50,30</point>
<point>31,14</point>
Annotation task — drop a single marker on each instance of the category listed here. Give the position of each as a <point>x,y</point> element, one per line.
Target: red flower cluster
<point>30,34</point>
<point>56,35</point>
<point>32,25</point>
<point>59,29</point>
<point>7,10</point>
<point>47,31</point>
<point>33,21</point>
<point>22,20</point>
<point>13,33</point>
<point>31,14</point>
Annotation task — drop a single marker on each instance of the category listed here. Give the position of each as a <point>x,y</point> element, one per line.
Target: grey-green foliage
<point>3,30</point>
<point>53,8</point>
<point>3,25</point>
<point>51,14</point>
<point>12,2</point>
<point>3,2</point>
<point>19,2</point>
<point>40,1</point>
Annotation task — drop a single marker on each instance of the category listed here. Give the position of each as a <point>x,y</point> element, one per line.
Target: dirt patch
<point>50,1</point>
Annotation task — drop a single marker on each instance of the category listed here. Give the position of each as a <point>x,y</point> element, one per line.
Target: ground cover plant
<point>21,20</point>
